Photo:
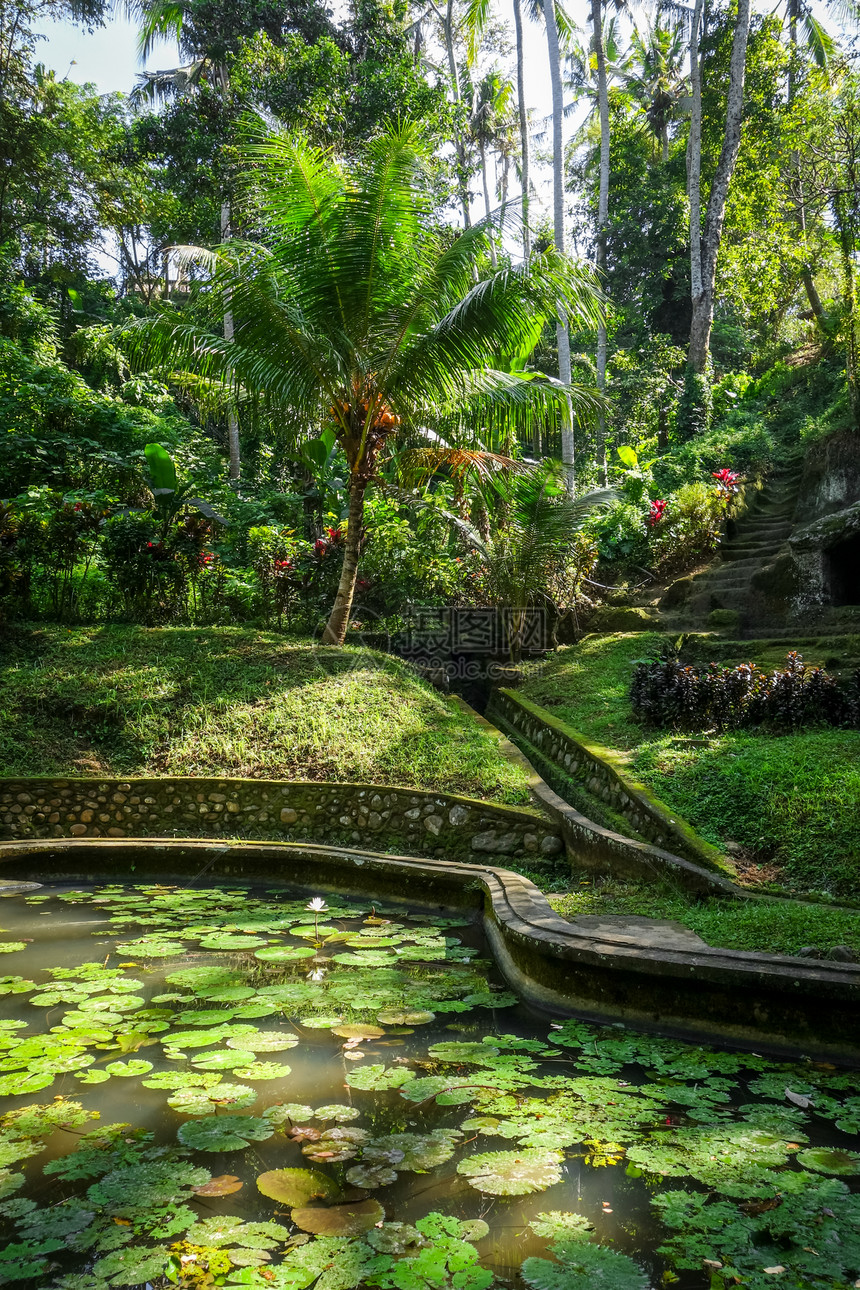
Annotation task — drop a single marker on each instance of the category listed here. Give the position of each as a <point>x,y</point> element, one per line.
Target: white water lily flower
<point>317,905</point>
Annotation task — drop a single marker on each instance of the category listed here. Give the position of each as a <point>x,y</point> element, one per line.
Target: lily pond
<point>244,1087</point>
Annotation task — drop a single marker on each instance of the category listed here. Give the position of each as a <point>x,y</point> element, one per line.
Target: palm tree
<point>490,125</point>
<point>361,314</point>
<point>525,554</point>
<point>652,73</point>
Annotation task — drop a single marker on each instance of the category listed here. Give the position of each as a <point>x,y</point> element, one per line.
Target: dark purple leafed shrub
<point>670,693</point>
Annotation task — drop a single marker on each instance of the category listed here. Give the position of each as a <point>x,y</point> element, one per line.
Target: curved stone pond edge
<point>616,969</point>
<point>562,753</point>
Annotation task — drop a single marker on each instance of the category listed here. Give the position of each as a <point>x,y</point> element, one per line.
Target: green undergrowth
<point>787,800</point>
<point>759,924</point>
<point>182,701</point>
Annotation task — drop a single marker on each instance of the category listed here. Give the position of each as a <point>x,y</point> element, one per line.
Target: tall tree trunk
<point>235,468</point>
<point>694,154</point>
<point>525,146</point>
<point>459,145</point>
<point>335,629</point>
<point>602,218</point>
<point>494,259</point>
<point>562,334</point>
<point>703,300</point>
<point>806,272</point>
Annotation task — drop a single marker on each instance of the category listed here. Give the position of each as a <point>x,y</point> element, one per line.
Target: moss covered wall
<point>600,773</point>
<point>418,823</point>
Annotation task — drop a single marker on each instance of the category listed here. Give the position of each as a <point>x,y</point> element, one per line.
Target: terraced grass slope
<point>790,802</point>
<point>184,701</point>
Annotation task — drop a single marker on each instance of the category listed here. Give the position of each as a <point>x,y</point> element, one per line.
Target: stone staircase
<point>744,579</point>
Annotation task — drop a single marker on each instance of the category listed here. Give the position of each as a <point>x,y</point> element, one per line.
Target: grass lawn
<point>777,926</point>
<point>791,801</point>
<point>183,701</point>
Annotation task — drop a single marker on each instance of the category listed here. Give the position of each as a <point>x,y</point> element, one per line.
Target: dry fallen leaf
<point>774,1271</point>
<point>713,1264</point>
<point>798,1099</point>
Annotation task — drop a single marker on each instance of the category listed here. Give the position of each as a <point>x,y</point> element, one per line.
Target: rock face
<point>404,819</point>
<point>826,555</point>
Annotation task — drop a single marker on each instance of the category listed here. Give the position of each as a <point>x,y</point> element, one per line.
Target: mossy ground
<point>790,801</point>
<point>184,701</point>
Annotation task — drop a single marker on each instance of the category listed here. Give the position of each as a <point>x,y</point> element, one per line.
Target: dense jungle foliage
<point>97,189</point>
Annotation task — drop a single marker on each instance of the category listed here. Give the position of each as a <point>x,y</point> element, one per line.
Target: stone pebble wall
<point>575,761</point>
<point>376,817</point>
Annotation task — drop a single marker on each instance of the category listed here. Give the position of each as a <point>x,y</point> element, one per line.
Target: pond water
<point>222,1086</point>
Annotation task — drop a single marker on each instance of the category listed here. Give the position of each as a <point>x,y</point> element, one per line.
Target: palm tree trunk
<point>602,217</point>
<point>494,259</point>
<point>703,302</point>
<point>562,334</point>
<point>235,468</point>
<point>335,630</point>
<point>524,134</point>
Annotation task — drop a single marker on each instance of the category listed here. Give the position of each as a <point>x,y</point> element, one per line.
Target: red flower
<point>320,547</point>
<point>656,512</point>
<point>726,479</point>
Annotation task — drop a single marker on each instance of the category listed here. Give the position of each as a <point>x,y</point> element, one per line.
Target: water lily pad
<point>340,1220</point>
<point>395,1238</point>
<point>128,1069</point>
<point>224,1132</point>
<point>321,1022</point>
<point>336,1145</point>
<point>357,1031</point>
<point>285,953</point>
<point>462,1052</point>
<point>335,1111</point>
<point>371,1176</point>
<point>417,1152</point>
<point>227,941</point>
<point>378,1077</point>
<point>9,947</point>
<point>181,1079</point>
<point>264,1070</point>
<point>583,1267</point>
<point>15,985</point>
<point>288,1113</point>
<point>395,1017</point>
<point>827,1160</point>
<point>223,1059</point>
<point>264,1041</point>
<point>153,949</point>
<point>205,1101</point>
<point>222,1185</point>
<point>93,1076</point>
<point>512,1173</point>
<point>201,979</point>
<point>204,1016</point>
<point>27,1083</point>
<point>297,1186</point>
